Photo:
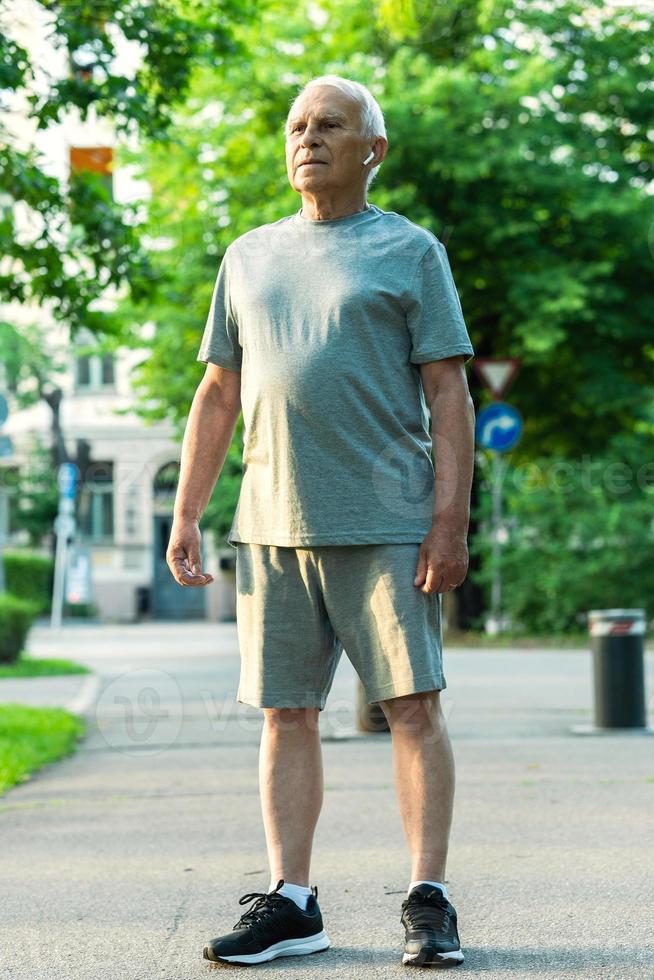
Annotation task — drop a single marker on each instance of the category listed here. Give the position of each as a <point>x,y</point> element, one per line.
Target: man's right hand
<point>183,554</point>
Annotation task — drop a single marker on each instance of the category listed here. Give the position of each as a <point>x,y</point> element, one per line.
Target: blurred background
<point>137,141</point>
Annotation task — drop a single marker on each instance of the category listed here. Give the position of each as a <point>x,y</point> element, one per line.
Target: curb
<point>85,699</point>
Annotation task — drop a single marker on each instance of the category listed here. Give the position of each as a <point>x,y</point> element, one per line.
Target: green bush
<point>16,617</point>
<point>29,576</point>
<point>579,536</point>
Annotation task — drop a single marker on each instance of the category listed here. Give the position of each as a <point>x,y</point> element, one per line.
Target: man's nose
<point>310,136</point>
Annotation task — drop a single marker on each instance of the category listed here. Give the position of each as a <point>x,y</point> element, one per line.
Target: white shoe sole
<point>287,947</point>
<point>427,957</point>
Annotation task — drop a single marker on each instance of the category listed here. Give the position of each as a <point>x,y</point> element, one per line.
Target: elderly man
<point>336,330</point>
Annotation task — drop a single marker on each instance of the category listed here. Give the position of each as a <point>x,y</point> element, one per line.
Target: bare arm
<point>209,429</point>
<point>443,561</point>
<point>453,439</point>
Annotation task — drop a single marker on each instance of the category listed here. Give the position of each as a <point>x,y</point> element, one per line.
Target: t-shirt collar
<point>346,219</point>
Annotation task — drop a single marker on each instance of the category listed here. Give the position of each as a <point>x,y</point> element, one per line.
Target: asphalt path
<point>124,859</point>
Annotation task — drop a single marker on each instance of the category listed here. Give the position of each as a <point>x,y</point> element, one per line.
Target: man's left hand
<point>443,560</point>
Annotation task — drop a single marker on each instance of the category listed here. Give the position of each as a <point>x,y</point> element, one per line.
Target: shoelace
<point>426,911</point>
<point>266,903</point>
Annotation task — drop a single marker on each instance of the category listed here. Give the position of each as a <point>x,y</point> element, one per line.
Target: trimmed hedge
<point>29,576</point>
<point>16,617</point>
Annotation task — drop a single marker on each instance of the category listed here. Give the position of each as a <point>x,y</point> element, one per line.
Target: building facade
<point>126,498</point>
<point>124,511</point>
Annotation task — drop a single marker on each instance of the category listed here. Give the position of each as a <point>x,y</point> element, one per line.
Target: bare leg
<point>291,789</point>
<point>424,776</point>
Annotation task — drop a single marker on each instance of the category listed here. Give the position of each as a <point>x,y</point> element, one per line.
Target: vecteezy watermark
<point>140,711</point>
<point>615,477</point>
<point>420,714</point>
<point>403,478</point>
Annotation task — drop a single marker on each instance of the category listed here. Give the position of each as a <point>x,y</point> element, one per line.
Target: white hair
<point>372,118</point>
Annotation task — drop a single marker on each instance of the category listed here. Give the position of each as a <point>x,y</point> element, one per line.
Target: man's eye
<point>297,128</point>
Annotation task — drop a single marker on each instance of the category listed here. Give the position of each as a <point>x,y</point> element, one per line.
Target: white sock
<point>299,893</point>
<point>437,884</point>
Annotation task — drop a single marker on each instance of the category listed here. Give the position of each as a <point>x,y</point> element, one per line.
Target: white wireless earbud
<point>369,158</point>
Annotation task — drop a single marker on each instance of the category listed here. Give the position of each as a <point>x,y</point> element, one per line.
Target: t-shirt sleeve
<point>220,343</point>
<point>434,315</point>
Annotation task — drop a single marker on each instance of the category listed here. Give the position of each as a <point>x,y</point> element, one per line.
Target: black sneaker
<point>274,926</point>
<point>431,933</point>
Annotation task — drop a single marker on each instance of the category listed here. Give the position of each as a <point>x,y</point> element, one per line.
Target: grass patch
<point>31,737</point>
<point>27,666</point>
<point>477,639</point>
<point>508,641</point>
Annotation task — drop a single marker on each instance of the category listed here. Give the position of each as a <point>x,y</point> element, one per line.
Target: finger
<point>196,569</point>
<point>192,565</point>
<point>193,562</point>
<point>421,570</point>
<point>185,576</point>
<point>431,580</point>
<point>194,581</point>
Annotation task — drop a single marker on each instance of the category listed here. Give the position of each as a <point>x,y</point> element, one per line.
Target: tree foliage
<point>78,241</point>
<point>517,135</point>
<point>580,537</point>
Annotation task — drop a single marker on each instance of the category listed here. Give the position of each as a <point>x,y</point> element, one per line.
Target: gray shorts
<point>297,609</point>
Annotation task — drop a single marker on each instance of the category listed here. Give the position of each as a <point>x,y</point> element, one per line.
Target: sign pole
<point>496,583</point>
<point>498,429</point>
<point>58,585</point>
<point>64,526</point>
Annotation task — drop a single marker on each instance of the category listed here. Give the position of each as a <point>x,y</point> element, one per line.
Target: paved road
<point>123,860</point>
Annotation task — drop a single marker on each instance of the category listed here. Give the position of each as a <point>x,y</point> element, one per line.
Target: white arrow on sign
<point>503,423</point>
<point>497,375</point>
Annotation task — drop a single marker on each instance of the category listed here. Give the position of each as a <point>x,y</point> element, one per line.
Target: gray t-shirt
<point>326,321</point>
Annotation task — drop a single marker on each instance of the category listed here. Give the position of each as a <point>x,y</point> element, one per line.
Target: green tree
<point>38,495</point>
<point>580,537</point>
<point>518,134</point>
<point>523,147</point>
<point>81,241</point>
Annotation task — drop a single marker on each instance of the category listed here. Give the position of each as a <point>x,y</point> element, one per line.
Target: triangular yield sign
<point>497,375</point>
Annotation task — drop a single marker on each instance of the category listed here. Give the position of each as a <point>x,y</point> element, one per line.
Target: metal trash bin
<point>143,598</point>
<point>617,642</point>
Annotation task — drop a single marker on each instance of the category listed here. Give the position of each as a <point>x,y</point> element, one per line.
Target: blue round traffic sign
<point>4,409</point>
<point>499,427</point>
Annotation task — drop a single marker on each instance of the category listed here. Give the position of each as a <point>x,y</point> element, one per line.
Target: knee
<point>414,713</point>
<point>290,720</point>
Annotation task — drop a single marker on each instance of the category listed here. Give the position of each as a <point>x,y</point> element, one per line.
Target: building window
<point>83,370</point>
<point>94,371</point>
<point>165,485</point>
<point>96,505</point>
<point>107,369</point>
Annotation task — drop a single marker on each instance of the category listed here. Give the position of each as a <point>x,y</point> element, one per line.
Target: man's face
<point>324,125</point>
